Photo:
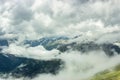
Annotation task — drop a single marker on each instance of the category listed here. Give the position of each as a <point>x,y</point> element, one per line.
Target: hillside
<point>113,74</point>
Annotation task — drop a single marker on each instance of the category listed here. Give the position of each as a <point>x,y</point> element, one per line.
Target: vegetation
<point>108,74</point>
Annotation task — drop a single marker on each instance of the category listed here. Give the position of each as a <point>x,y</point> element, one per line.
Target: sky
<point>33,19</point>
<point>95,20</point>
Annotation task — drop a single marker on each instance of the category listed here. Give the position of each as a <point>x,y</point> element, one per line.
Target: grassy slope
<point>108,75</point>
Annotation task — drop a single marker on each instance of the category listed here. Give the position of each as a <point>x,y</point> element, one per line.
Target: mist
<point>80,21</point>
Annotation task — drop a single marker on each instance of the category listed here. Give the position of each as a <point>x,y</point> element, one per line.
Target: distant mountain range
<point>28,67</point>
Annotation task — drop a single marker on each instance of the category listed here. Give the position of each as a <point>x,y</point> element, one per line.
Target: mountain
<point>21,66</point>
<point>62,44</point>
<point>108,48</point>
<point>46,42</point>
<point>3,42</point>
<point>28,67</point>
<point>113,74</point>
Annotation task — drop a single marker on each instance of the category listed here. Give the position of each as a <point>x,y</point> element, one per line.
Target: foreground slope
<point>113,74</point>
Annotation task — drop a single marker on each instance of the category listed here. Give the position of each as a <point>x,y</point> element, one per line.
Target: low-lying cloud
<point>93,20</point>
<point>78,66</point>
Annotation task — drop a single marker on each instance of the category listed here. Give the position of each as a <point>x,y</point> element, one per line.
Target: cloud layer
<point>59,17</point>
<point>97,20</point>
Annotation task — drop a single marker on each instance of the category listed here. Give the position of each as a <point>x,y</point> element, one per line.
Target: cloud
<point>94,20</point>
<point>38,52</point>
<point>21,13</point>
<point>59,17</point>
<point>78,66</point>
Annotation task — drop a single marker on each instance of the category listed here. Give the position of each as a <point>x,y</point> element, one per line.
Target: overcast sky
<point>97,20</point>
<point>38,18</point>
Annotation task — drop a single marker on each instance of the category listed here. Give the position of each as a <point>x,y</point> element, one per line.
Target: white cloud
<point>78,66</point>
<point>38,52</point>
<point>59,17</point>
<point>97,20</point>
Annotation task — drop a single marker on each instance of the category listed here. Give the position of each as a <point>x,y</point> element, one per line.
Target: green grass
<point>108,74</point>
